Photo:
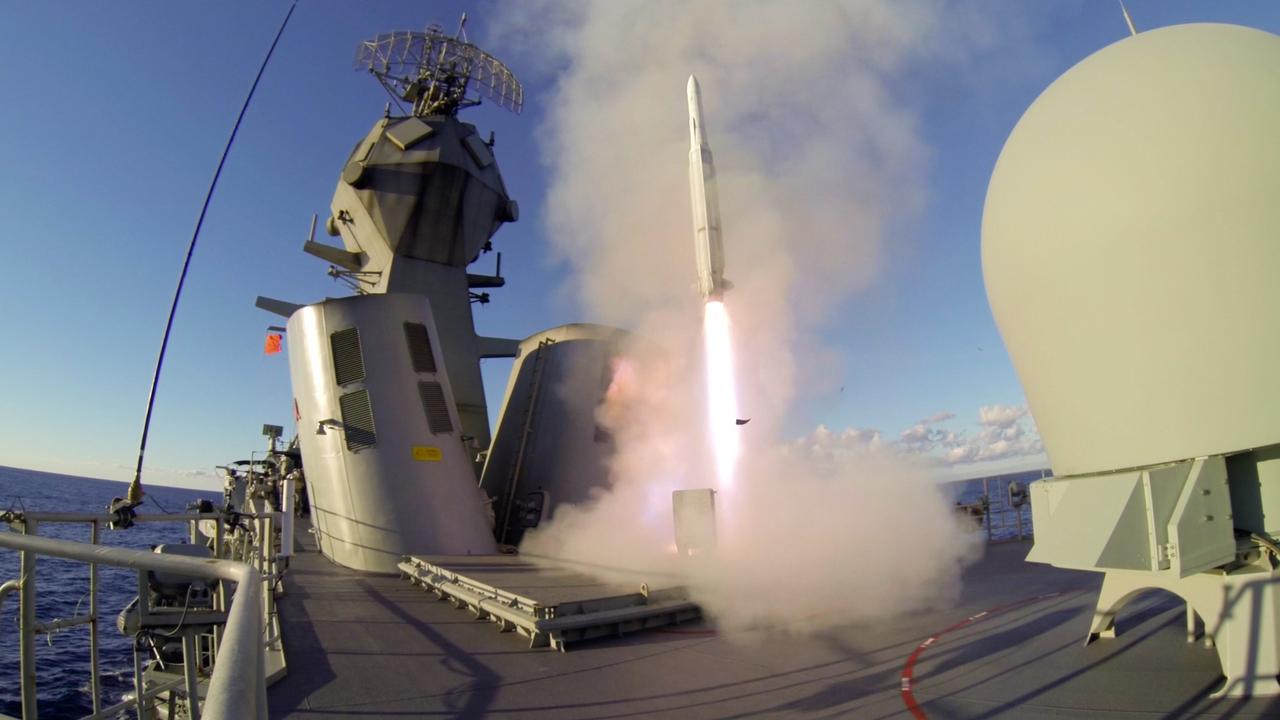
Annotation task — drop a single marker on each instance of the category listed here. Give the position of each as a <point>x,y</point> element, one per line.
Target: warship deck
<point>363,646</point>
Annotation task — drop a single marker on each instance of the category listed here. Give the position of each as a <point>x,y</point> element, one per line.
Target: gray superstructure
<point>387,387</point>
<point>389,401</point>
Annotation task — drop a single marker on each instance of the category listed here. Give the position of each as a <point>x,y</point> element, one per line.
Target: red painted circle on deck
<point>908,668</point>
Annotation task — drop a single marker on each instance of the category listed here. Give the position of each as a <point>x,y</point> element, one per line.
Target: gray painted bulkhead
<point>549,449</point>
<point>417,202</point>
<point>387,467</point>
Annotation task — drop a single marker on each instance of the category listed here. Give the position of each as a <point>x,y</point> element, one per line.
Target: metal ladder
<point>526,436</point>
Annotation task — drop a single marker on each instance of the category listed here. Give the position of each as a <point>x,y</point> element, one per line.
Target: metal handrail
<point>237,687</point>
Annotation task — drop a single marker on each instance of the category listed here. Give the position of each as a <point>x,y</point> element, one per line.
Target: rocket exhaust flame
<point>722,398</point>
<point>722,393</point>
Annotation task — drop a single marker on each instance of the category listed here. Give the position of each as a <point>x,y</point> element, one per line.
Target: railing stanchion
<point>190,664</point>
<point>139,683</point>
<point>95,675</point>
<point>27,625</point>
<point>237,685</point>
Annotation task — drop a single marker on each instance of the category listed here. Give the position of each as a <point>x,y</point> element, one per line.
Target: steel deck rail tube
<point>95,676</point>
<point>8,587</point>
<point>68,517</point>
<point>142,708</point>
<point>26,632</point>
<point>238,687</point>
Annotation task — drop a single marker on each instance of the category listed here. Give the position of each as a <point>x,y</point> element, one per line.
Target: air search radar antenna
<point>439,74</point>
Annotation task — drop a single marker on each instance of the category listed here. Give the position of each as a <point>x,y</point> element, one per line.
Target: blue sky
<point>113,118</point>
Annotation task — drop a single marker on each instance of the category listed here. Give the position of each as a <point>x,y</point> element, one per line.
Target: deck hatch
<point>435,407</point>
<point>415,334</point>
<point>357,420</point>
<point>348,359</point>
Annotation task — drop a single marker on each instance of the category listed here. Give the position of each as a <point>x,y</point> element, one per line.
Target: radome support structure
<point>1131,275</point>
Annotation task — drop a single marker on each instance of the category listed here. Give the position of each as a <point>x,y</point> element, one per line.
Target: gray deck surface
<point>363,646</point>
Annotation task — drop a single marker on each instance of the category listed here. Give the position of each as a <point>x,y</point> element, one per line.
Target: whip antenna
<point>1127,20</point>
<point>123,507</point>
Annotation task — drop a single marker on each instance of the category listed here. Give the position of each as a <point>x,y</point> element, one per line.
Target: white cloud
<point>1004,432</point>
<point>1001,415</point>
<point>823,443</point>
<point>917,434</point>
<point>1004,435</point>
<point>923,438</point>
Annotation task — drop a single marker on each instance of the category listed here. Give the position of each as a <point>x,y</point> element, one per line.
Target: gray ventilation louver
<point>348,360</point>
<point>434,405</point>
<point>357,420</point>
<point>419,347</point>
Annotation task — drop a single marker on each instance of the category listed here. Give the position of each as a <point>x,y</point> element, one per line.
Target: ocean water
<point>62,658</point>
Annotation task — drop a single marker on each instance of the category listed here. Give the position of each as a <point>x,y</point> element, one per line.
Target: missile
<point>707,246</point>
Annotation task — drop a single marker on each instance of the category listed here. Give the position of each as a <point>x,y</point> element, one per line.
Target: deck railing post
<point>190,667</point>
<point>139,665</point>
<point>95,675</point>
<point>27,625</point>
<point>237,687</point>
<point>139,681</point>
<point>220,598</point>
<point>986,506</point>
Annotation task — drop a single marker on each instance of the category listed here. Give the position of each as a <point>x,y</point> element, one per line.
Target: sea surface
<point>62,658</point>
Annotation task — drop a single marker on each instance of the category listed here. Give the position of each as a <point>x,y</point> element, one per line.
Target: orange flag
<point>273,344</point>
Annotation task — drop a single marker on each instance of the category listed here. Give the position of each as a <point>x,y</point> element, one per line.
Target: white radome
<point>1131,250</point>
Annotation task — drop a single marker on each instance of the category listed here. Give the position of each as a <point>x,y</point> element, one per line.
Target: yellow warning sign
<point>425,453</point>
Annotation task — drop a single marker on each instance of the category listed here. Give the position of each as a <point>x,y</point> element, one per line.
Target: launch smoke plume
<point>816,159</point>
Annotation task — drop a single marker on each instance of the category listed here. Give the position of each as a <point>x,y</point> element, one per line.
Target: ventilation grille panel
<point>357,420</point>
<point>435,407</point>
<point>415,334</point>
<point>348,360</point>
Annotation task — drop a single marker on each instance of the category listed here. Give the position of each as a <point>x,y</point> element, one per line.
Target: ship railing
<point>1002,512</point>
<point>246,650</point>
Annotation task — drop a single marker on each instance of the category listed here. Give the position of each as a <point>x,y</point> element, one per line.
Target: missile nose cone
<point>696,133</point>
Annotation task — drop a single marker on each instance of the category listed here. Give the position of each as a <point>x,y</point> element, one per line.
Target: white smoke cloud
<point>816,159</point>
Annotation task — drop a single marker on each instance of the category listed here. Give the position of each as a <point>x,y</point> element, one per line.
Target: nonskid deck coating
<point>367,646</point>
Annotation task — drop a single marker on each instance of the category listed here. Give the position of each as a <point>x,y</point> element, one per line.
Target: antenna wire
<point>135,487</point>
